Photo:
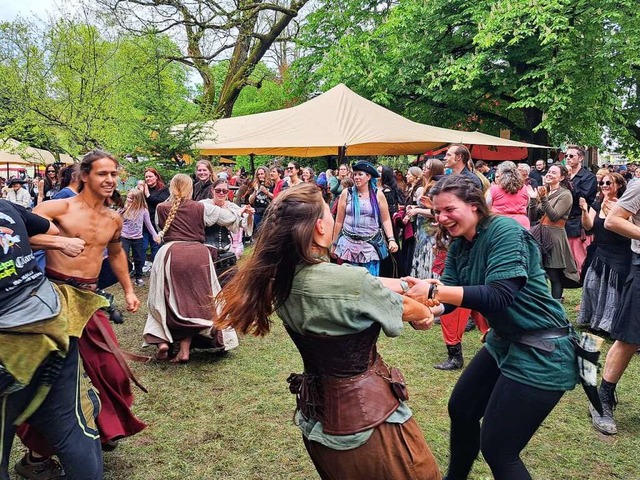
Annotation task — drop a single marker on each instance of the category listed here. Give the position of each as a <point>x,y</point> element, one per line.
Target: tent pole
<point>342,153</point>
<point>252,163</point>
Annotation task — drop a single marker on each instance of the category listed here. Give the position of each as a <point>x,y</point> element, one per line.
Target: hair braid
<point>172,215</point>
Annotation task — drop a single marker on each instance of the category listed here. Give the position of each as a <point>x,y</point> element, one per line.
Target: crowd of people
<point>444,242</point>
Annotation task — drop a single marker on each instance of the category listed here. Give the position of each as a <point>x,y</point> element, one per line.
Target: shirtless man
<point>34,325</point>
<point>85,216</point>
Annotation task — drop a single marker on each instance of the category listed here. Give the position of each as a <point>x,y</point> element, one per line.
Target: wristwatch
<point>404,285</point>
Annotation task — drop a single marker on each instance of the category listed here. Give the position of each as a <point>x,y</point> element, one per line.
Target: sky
<point>9,9</point>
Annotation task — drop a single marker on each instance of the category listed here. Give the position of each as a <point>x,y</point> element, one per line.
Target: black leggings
<point>555,275</point>
<point>512,413</point>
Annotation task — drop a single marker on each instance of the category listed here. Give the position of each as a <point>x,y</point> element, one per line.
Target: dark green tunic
<point>502,249</point>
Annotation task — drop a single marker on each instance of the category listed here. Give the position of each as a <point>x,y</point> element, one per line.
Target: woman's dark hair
<point>280,171</point>
<point>388,180</point>
<point>160,184</point>
<point>566,183</point>
<point>87,162</point>
<point>48,184</point>
<point>263,282</point>
<point>620,182</point>
<point>67,175</point>
<point>465,190</point>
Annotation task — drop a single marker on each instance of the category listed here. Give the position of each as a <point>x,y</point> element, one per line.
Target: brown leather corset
<point>345,385</point>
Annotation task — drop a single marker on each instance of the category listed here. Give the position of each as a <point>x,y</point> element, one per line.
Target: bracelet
<point>391,239</point>
<point>433,291</point>
<point>404,285</point>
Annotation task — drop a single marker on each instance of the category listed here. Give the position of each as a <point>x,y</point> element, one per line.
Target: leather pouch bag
<point>398,384</point>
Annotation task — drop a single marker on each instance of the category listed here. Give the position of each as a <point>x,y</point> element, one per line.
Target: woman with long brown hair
<point>552,204</point>
<point>357,427</point>
<point>261,195</point>
<point>608,258</point>
<point>424,253</point>
<point>528,359</point>
<point>49,185</point>
<point>155,192</point>
<point>183,277</point>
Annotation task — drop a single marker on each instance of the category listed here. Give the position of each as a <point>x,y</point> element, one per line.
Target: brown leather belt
<point>558,223</point>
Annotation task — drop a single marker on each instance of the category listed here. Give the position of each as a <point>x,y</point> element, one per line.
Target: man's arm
<point>618,221</point>
<point>120,267</point>
<point>51,210</point>
<point>72,247</point>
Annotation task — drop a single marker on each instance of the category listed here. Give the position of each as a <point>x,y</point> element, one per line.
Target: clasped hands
<point>419,291</point>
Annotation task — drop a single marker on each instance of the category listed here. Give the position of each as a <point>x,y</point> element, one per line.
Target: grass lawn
<point>230,417</point>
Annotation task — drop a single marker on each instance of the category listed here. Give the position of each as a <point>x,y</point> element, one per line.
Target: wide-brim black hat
<point>16,180</point>
<point>366,167</point>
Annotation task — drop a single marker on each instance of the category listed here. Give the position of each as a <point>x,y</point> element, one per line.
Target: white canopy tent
<point>322,126</point>
<point>34,156</point>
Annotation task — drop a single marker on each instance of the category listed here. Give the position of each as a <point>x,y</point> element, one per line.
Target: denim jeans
<point>66,418</point>
<point>147,240</point>
<point>135,245</point>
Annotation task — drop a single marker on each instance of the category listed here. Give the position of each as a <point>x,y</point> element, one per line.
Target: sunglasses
<point>290,168</point>
<point>221,191</point>
<point>51,171</point>
<point>607,183</point>
<point>571,155</point>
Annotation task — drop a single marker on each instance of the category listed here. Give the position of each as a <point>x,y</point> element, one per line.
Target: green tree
<point>549,71</point>
<point>77,90</point>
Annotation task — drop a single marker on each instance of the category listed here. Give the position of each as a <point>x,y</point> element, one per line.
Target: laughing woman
<point>363,216</point>
<point>528,361</point>
<point>354,424</point>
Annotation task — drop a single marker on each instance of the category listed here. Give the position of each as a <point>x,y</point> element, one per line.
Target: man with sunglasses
<point>584,185</point>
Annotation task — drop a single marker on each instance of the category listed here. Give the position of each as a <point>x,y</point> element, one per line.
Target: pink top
<point>512,205</point>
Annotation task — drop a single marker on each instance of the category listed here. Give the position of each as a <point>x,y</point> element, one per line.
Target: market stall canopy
<point>7,158</point>
<point>321,126</point>
<point>33,156</point>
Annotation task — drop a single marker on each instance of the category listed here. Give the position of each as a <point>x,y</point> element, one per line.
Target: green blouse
<point>330,299</point>
<point>502,249</point>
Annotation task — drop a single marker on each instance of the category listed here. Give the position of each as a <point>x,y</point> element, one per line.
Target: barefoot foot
<point>163,351</point>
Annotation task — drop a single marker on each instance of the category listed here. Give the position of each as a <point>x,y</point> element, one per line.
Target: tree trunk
<point>533,118</point>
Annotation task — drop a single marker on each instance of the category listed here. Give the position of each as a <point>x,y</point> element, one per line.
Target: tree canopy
<point>66,87</point>
<point>551,72</point>
<point>240,32</point>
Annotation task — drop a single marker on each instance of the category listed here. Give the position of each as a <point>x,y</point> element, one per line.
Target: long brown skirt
<point>394,452</point>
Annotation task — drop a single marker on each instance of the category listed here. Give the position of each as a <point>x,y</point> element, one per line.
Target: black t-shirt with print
<point>18,267</point>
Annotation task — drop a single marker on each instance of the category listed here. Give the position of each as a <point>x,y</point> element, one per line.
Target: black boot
<point>455,360</point>
<point>470,325</point>
<point>605,423</point>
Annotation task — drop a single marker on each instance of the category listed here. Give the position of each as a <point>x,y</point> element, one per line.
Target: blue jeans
<point>66,418</point>
<point>135,245</point>
<point>147,240</point>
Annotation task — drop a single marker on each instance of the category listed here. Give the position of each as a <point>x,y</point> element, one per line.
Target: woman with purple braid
<point>363,214</point>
